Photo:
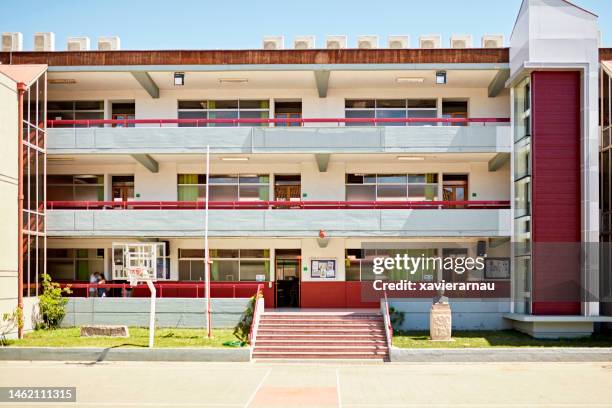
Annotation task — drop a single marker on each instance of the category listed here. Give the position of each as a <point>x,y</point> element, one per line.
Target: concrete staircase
<point>321,335</point>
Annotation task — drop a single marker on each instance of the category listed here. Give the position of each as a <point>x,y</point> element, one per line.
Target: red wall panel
<point>555,228</point>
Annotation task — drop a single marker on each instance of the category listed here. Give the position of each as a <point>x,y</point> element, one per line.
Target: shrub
<point>10,322</point>
<point>243,328</point>
<point>52,303</point>
<point>397,318</point>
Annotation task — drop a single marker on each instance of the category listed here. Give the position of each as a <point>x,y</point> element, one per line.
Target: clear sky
<point>241,24</point>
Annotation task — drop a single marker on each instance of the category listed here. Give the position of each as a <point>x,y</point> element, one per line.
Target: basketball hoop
<point>137,262</point>
<point>136,274</point>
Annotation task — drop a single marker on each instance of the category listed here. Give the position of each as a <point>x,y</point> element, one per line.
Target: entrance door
<point>288,110</point>
<point>455,187</point>
<point>287,187</point>
<point>123,111</point>
<point>123,188</point>
<point>455,109</point>
<point>288,265</point>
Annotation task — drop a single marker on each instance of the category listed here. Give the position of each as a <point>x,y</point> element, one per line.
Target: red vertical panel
<point>555,228</point>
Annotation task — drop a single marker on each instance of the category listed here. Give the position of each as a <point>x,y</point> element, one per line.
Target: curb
<point>502,355</point>
<point>98,354</point>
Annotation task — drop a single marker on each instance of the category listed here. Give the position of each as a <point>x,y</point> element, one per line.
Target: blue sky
<point>207,24</point>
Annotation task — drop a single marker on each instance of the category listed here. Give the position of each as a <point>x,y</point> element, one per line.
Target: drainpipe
<point>21,88</point>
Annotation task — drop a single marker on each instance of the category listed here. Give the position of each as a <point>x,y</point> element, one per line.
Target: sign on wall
<point>497,268</point>
<point>323,268</point>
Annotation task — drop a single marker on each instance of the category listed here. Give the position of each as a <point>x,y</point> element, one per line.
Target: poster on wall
<point>497,268</point>
<point>323,268</point>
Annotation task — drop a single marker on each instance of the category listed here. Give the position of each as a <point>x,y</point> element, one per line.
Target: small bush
<point>10,322</point>
<point>243,328</point>
<point>51,303</point>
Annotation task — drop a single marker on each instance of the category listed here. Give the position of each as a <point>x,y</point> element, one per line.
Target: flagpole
<point>206,255</point>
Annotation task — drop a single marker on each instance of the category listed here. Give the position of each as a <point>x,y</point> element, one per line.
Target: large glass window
<point>33,123</point>
<point>359,265</point>
<point>76,110</point>
<point>228,265</point>
<point>78,264</point>
<point>522,196</point>
<point>85,187</point>
<point>391,109</point>
<point>224,187</point>
<point>224,109</point>
<point>392,187</point>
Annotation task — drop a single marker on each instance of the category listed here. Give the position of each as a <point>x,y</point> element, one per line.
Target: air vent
<point>273,42</point>
<point>112,43</point>
<point>78,44</point>
<point>492,41</point>
<point>44,42</point>
<point>430,41</point>
<point>12,42</point>
<point>461,41</point>
<point>334,42</point>
<point>367,42</point>
<point>304,42</point>
<point>397,42</point>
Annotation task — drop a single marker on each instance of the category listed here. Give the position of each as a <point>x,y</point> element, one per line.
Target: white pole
<point>152,313</point>
<point>206,256</point>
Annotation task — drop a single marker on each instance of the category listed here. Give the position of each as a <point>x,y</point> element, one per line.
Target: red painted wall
<point>555,228</point>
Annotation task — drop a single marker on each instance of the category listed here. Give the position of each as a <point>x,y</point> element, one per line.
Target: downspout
<point>21,88</point>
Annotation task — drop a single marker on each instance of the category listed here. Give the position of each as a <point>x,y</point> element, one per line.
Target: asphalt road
<point>375,385</point>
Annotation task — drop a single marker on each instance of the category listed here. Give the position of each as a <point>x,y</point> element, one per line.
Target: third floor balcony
<point>281,135</point>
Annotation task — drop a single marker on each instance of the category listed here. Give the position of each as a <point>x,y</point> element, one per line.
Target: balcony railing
<point>272,121</point>
<point>267,205</point>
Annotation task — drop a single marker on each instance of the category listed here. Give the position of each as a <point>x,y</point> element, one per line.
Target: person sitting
<point>93,280</point>
<point>101,281</point>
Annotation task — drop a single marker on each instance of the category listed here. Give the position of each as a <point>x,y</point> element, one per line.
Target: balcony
<point>328,135</point>
<point>280,219</point>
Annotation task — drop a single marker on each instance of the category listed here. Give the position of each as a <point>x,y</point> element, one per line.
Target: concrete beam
<point>147,161</point>
<point>499,82</point>
<point>322,161</point>
<point>145,80</point>
<point>498,161</point>
<point>322,80</point>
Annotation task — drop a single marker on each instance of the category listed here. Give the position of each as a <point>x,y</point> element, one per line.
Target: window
<point>224,187</point>
<point>391,109</point>
<point>228,265</point>
<point>392,187</point>
<point>360,262</point>
<point>224,109</point>
<point>74,263</point>
<point>75,110</point>
<point>75,187</point>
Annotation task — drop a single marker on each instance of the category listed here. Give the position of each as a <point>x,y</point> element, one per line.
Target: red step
<point>321,336</point>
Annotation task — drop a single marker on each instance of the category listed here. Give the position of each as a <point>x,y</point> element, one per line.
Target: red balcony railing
<point>257,121</point>
<point>267,205</point>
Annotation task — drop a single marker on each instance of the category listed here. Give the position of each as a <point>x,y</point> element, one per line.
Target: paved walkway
<point>375,385</point>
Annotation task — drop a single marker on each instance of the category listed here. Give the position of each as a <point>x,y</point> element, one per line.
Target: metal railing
<point>266,205</point>
<point>255,320</point>
<point>196,287</point>
<point>271,121</point>
<point>388,325</point>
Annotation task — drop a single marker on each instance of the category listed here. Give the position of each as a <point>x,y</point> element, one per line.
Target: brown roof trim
<point>259,57</point>
<point>605,54</point>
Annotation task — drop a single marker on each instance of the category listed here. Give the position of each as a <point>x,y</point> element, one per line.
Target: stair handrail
<point>259,302</point>
<point>387,320</point>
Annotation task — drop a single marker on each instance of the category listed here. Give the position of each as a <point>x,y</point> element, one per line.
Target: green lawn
<point>502,338</point>
<point>139,337</point>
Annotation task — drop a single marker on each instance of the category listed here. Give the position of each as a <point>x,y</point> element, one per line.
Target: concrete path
<point>358,385</point>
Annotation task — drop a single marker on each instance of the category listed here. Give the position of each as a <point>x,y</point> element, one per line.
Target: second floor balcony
<point>288,135</point>
<point>281,219</point>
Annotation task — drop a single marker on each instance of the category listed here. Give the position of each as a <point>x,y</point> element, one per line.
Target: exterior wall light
<point>179,78</point>
<point>441,77</point>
